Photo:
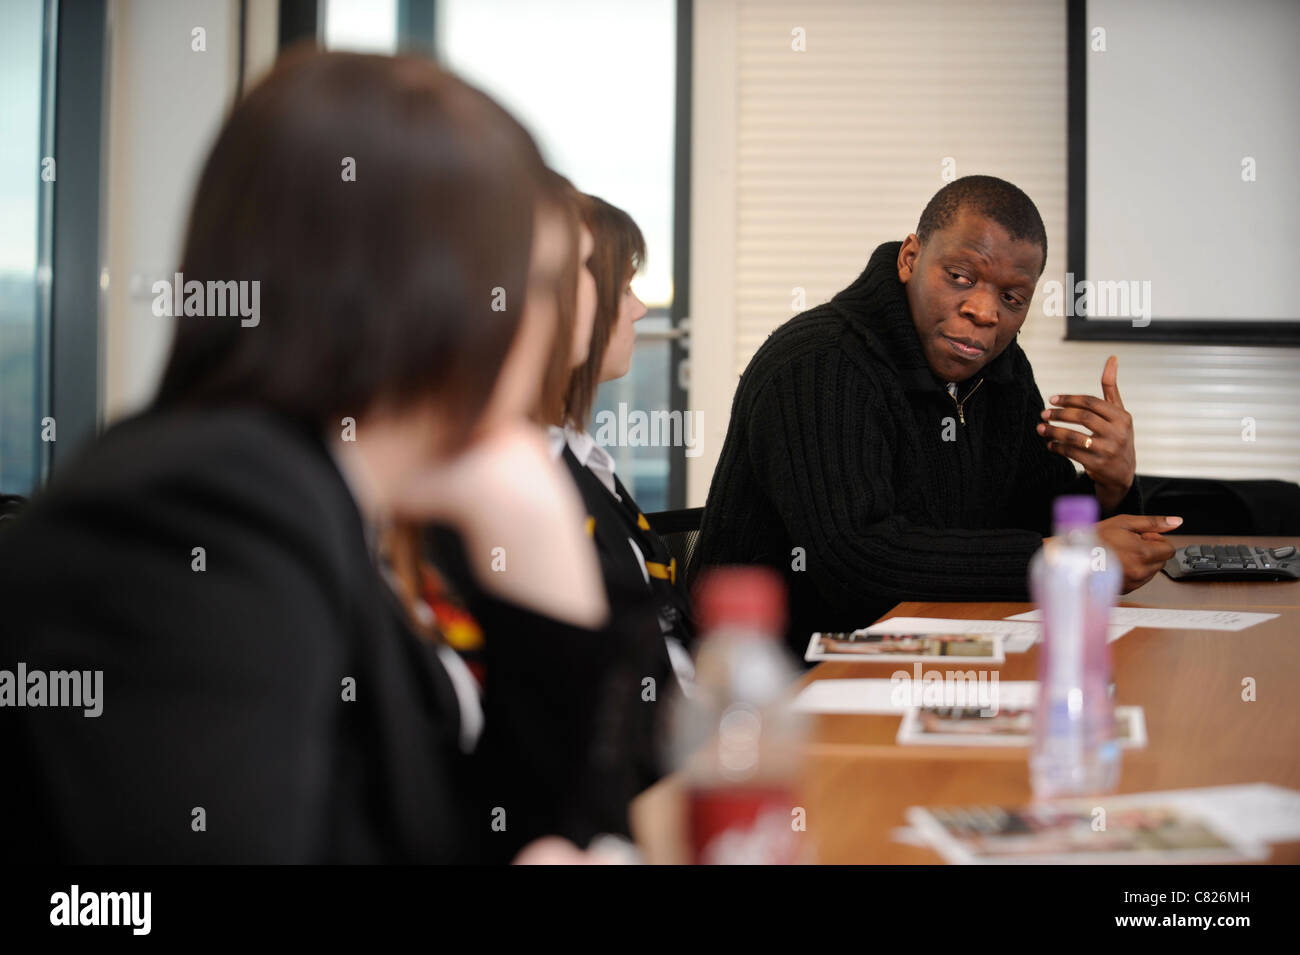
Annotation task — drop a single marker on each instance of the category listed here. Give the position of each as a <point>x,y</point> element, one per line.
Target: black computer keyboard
<point>1234,562</point>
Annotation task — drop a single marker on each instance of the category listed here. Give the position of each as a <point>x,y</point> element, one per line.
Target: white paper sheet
<point>886,697</point>
<point>1252,812</point>
<point>945,625</point>
<point>1259,812</point>
<point>1172,619</point>
<point>848,696</point>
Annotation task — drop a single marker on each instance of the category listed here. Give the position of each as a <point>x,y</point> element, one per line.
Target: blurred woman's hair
<point>619,253</point>
<point>403,544</point>
<point>386,208</point>
<point>562,199</point>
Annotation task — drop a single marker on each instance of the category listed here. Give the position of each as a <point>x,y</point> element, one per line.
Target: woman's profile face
<point>584,318</point>
<point>622,337</point>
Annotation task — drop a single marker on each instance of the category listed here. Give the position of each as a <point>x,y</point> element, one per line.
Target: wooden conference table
<point>859,782</point>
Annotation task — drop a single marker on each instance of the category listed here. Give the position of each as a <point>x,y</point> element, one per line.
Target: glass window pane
<point>365,26</point>
<point>595,83</point>
<point>21,93</point>
<point>641,466</point>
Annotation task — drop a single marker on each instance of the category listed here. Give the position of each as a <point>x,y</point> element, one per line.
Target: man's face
<point>969,289</point>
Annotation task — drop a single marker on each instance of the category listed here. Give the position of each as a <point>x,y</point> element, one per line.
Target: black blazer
<point>570,737</point>
<point>224,681</point>
<point>659,604</point>
<point>612,523</point>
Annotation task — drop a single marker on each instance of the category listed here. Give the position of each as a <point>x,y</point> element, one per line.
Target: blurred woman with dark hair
<point>635,562</point>
<point>563,716</point>
<point>210,562</point>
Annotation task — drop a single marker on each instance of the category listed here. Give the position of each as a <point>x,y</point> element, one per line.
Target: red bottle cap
<point>751,597</point>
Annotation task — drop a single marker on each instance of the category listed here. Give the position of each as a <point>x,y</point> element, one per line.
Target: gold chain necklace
<point>961,411</point>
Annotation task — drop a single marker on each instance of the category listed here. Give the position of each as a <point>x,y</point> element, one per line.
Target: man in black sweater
<point>891,444</point>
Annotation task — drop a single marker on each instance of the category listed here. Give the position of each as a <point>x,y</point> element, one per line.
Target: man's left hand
<point>1107,453</point>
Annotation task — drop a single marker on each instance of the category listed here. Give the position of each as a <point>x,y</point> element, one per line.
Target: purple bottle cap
<point>1074,510</point>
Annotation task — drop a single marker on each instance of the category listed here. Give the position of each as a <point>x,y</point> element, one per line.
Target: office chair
<point>679,531</point>
<point>1213,507</point>
<point>10,505</point>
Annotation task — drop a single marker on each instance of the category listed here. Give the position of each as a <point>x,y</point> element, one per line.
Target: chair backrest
<point>10,505</point>
<point>679,531</point>
<point>1209,506</point>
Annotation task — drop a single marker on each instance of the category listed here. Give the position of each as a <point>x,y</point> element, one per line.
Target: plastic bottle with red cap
<point>736,740</point>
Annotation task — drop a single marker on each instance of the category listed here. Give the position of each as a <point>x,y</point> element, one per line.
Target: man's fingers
<point>1098,406</point>
<point>1069,451</point>
<point>1156,551</point>
<point>1110,381</point>
<point>1145,561</point>
<point>1139,523</point>
<point>1091,421</point>
<point>1138,574</point>
<point>1109,406</point>
<point>1068,437</point>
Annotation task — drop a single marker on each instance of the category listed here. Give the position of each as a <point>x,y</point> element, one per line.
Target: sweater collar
<point>876,305</point>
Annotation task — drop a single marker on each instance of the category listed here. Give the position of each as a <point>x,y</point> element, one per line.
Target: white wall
<point>804,162</point>
<point>165,105</point>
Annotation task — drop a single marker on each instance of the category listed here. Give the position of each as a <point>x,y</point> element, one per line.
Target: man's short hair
<point>991,197</point>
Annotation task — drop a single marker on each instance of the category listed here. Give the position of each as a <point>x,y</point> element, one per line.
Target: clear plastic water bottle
<point>1075,582</point>
<point>735,739</point>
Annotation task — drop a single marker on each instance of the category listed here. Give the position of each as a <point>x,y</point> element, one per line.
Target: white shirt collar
<point>589,454</point>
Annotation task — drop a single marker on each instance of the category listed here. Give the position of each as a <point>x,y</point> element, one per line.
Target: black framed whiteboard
<point>1184,172</point>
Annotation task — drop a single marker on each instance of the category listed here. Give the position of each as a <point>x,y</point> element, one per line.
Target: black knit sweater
<point>837,446</point>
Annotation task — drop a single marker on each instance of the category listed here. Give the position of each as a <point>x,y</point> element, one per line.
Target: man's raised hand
<point>1107,453</point>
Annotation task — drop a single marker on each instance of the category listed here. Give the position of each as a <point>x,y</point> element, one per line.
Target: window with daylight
<point>596,84</point>
<point>26,173</point>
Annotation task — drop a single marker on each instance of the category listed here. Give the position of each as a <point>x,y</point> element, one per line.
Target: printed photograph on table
<point>870,644</point>
<point>998,726</point>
